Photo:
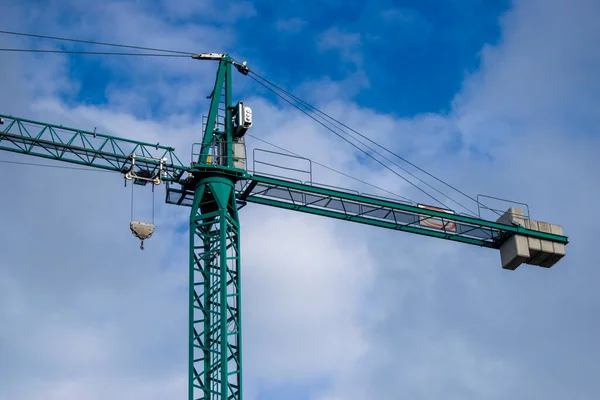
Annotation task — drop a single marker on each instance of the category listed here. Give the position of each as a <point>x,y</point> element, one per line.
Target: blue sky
<point>410,57</point>
<point>495,97</point>
<point>415,54</point>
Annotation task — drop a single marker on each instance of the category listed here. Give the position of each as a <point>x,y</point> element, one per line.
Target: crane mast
<point>215,329</point>
<point>217,184</point>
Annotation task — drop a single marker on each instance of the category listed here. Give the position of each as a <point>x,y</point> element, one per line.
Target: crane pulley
<point>144,175</point>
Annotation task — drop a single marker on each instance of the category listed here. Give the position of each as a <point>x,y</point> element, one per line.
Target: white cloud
<point>347,43</point>
<point>302,296</point>
<point>326,90</point>
<point>547,56</point>
<point>227,13</point>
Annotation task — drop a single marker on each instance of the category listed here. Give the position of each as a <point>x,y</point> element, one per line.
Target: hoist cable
<point>332,169</point>
<point>346,140</point>
<point>56,166</point>
<point>153,203</point>
<point>93,42</point>
<point>368,147</point>
<point>132,185</point>
<point>103,53</point>
<point>375,143</point>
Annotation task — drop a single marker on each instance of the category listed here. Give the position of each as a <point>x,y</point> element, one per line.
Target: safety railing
<point>499,212</point>
<point>257,161</point>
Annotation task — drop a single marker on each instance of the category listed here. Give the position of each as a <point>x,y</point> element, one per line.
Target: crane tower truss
<point>215,325</point>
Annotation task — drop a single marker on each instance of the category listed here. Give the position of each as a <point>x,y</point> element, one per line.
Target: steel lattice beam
<point>215,369</point>
<point>86,148</point>
<point>372,211</point>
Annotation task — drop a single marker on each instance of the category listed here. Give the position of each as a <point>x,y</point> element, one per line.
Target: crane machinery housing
<point>217,184</point>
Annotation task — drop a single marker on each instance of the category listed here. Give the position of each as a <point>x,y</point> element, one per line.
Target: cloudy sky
<point>495,97</point>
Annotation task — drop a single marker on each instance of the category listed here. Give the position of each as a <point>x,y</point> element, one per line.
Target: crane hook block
<point>142,230</point>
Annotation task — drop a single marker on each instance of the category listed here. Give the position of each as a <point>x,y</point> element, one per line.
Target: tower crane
<point>217,184</point>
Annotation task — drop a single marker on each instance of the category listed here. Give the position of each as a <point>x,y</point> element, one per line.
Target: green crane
<point>217,184</point>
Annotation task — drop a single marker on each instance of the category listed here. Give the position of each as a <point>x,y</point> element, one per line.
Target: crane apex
<point>208,56</point>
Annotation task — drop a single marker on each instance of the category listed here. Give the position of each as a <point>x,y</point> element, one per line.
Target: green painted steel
<point>258,192</point>
<point>213,112</point>
<point>215,329</point>
<point>113,153</point>
<point>88,148</point>
<point>228,118</point>
<point>211,134</point>
<point>215,333</point>
<point>362,220</point>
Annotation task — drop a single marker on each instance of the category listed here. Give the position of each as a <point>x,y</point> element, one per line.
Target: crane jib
<point>89,149</point>
<point>380,212</point>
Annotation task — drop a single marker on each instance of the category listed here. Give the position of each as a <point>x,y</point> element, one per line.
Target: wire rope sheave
<point>140,160</point>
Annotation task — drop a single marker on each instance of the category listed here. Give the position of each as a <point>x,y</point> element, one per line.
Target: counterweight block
<point>519,249</point>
